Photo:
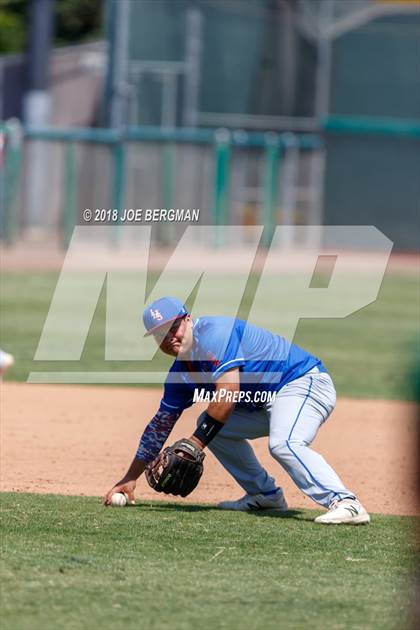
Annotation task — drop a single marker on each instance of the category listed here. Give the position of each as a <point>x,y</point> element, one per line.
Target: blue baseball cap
<point>162,312</point>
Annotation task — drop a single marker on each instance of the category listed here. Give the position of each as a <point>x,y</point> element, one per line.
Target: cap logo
<point>156,314</point>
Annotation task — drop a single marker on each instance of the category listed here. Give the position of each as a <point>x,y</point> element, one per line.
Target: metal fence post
<point>167,188</point>
<point>271,177</point>
<point>69,201</point>
<point>221,183</point>
<point>118,185</point>
<point>290,154</point>
<point>10,176</point>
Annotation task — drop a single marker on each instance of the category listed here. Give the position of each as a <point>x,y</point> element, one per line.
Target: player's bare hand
<point>127,487</point>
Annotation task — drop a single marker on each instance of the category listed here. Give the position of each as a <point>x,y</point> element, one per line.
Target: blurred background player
<point>6,361</point>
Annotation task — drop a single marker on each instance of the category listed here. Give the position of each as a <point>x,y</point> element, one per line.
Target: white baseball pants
<point>291,422</point>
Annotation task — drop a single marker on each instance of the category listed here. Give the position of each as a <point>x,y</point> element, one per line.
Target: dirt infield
<point>38,257</point>
<point>79,440</point>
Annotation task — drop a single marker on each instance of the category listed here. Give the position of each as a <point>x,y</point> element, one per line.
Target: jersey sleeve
<point>222,345</point>
<point>155,434</point>
<point>176,398</point>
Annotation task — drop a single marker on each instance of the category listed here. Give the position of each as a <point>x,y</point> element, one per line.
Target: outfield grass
<point>70,563</point>
<point>369,354</point>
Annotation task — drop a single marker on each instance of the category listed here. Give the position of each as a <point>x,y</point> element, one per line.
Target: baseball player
<point>257,384</point>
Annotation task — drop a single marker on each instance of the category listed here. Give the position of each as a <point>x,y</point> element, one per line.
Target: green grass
<point>369,354</point>
<point>69,563</point>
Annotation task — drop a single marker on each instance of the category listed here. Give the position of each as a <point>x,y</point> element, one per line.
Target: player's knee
<point>281,450</point>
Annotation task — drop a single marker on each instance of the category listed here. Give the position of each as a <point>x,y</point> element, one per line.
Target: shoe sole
<point>254,509</point>
<point>363,519</point>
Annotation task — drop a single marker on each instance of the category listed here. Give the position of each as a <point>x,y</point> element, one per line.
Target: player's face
<point>178,339</point>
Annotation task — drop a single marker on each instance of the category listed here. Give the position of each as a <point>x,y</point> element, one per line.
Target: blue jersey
<point>266,361</point>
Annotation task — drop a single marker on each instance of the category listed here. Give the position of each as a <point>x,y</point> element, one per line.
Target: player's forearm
<point>136,468</point>
<point>217,415</point>
<point>220,410</point>
<point>226,387</point>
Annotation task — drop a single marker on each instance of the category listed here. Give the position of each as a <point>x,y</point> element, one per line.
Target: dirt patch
<point>80,440</point>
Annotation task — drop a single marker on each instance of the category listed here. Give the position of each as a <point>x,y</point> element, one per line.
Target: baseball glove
<point>177,469</point>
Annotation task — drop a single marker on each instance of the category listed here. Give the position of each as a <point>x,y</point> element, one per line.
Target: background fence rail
<point>234,177</point>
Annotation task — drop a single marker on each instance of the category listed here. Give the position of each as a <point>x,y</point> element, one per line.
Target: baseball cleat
<point>255,502</point>
<point>348,511</point>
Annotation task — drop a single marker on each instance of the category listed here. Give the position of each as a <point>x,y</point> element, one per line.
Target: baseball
<point>118,499</point>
